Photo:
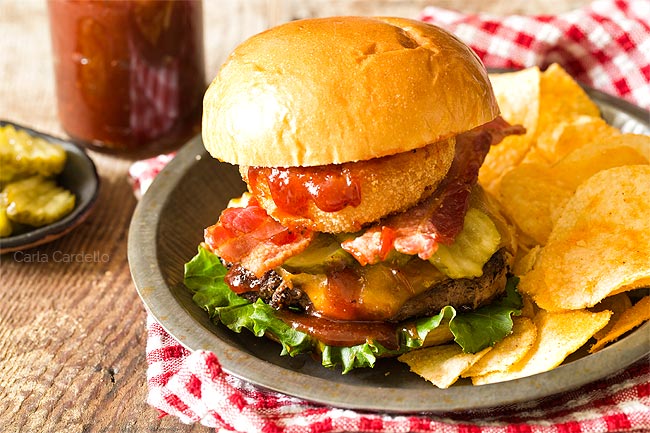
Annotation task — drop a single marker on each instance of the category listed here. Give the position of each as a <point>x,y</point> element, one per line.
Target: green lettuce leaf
<point>204,276</point>
<point>478,329</point>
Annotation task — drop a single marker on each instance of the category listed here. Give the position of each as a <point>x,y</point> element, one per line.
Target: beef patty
<point>463,294</point>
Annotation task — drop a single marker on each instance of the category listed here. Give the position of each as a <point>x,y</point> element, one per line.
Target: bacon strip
<point>250,237</point>
<point>439,218</point>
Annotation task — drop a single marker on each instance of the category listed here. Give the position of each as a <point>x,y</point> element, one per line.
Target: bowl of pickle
<point>48,186</point>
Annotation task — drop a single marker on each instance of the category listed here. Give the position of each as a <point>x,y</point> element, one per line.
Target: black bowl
<point>79,176</point>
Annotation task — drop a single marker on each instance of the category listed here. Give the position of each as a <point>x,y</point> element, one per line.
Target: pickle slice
<point>37,201</point>
<point>472,248</point>
<point>323,253</point>
<point>5,225</point>
<point>23,155</point>
<point>8,173</point>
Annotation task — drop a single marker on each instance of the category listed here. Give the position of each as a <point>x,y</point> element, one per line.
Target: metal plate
<point>189,195</point>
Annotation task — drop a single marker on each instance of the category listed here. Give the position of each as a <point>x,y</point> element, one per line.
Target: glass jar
<point>129,74</point>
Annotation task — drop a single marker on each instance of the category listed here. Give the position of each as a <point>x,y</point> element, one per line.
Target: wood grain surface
<point>72,328</point>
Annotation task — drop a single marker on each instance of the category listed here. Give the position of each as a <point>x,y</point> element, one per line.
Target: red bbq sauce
<point>343,333</point>
<point>129,74</point>
<point>331,188</point>
<point>343,294</point>
<point>342,324</point>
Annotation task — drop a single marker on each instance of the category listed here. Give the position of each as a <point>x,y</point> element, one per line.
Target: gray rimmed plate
<point>79,176</point>
<point>189,195</point>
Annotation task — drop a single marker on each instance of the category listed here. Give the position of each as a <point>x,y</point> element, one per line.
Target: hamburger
<point>363,232</point>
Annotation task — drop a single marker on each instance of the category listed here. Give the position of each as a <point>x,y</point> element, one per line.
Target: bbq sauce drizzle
<point>343,288</point>
<point>331,188</point>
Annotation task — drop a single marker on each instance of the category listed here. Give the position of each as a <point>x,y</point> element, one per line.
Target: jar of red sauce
<point>129,74</point>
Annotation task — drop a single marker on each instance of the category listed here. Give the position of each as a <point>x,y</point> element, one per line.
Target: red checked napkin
<point>192,386</point>
<point>605,45</point>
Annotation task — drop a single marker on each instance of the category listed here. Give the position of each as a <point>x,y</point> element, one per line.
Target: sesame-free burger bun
<point>343,89</point>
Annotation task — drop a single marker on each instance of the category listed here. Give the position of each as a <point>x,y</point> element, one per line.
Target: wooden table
<point>72,331</point>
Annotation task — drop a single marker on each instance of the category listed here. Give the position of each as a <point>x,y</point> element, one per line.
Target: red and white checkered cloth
<point>605,45</point>
<point>192,387</point>
<point>143,172</point>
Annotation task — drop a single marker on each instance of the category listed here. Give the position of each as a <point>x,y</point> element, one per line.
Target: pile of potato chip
<point>578,192</point>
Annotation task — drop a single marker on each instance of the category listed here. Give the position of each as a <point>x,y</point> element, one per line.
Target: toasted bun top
<point>334,90</point>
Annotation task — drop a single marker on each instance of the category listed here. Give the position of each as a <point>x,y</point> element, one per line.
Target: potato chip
<point>518,96</point>
<point>641,143</point>
<point>558,336</point>
<point>588,160</point>
<point>640,283</point>
<point>617,304</point>
<point>439,335</point>
<point>535,156</point>
<point>525,259</point>
<point>441,365</point>
<point>529,308</point>
<point>628,320</point>
<point>507,351</point>
<point>531,196</point>
<point>561,98</point>
<point>569,135</point>
<point>599,246</point>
